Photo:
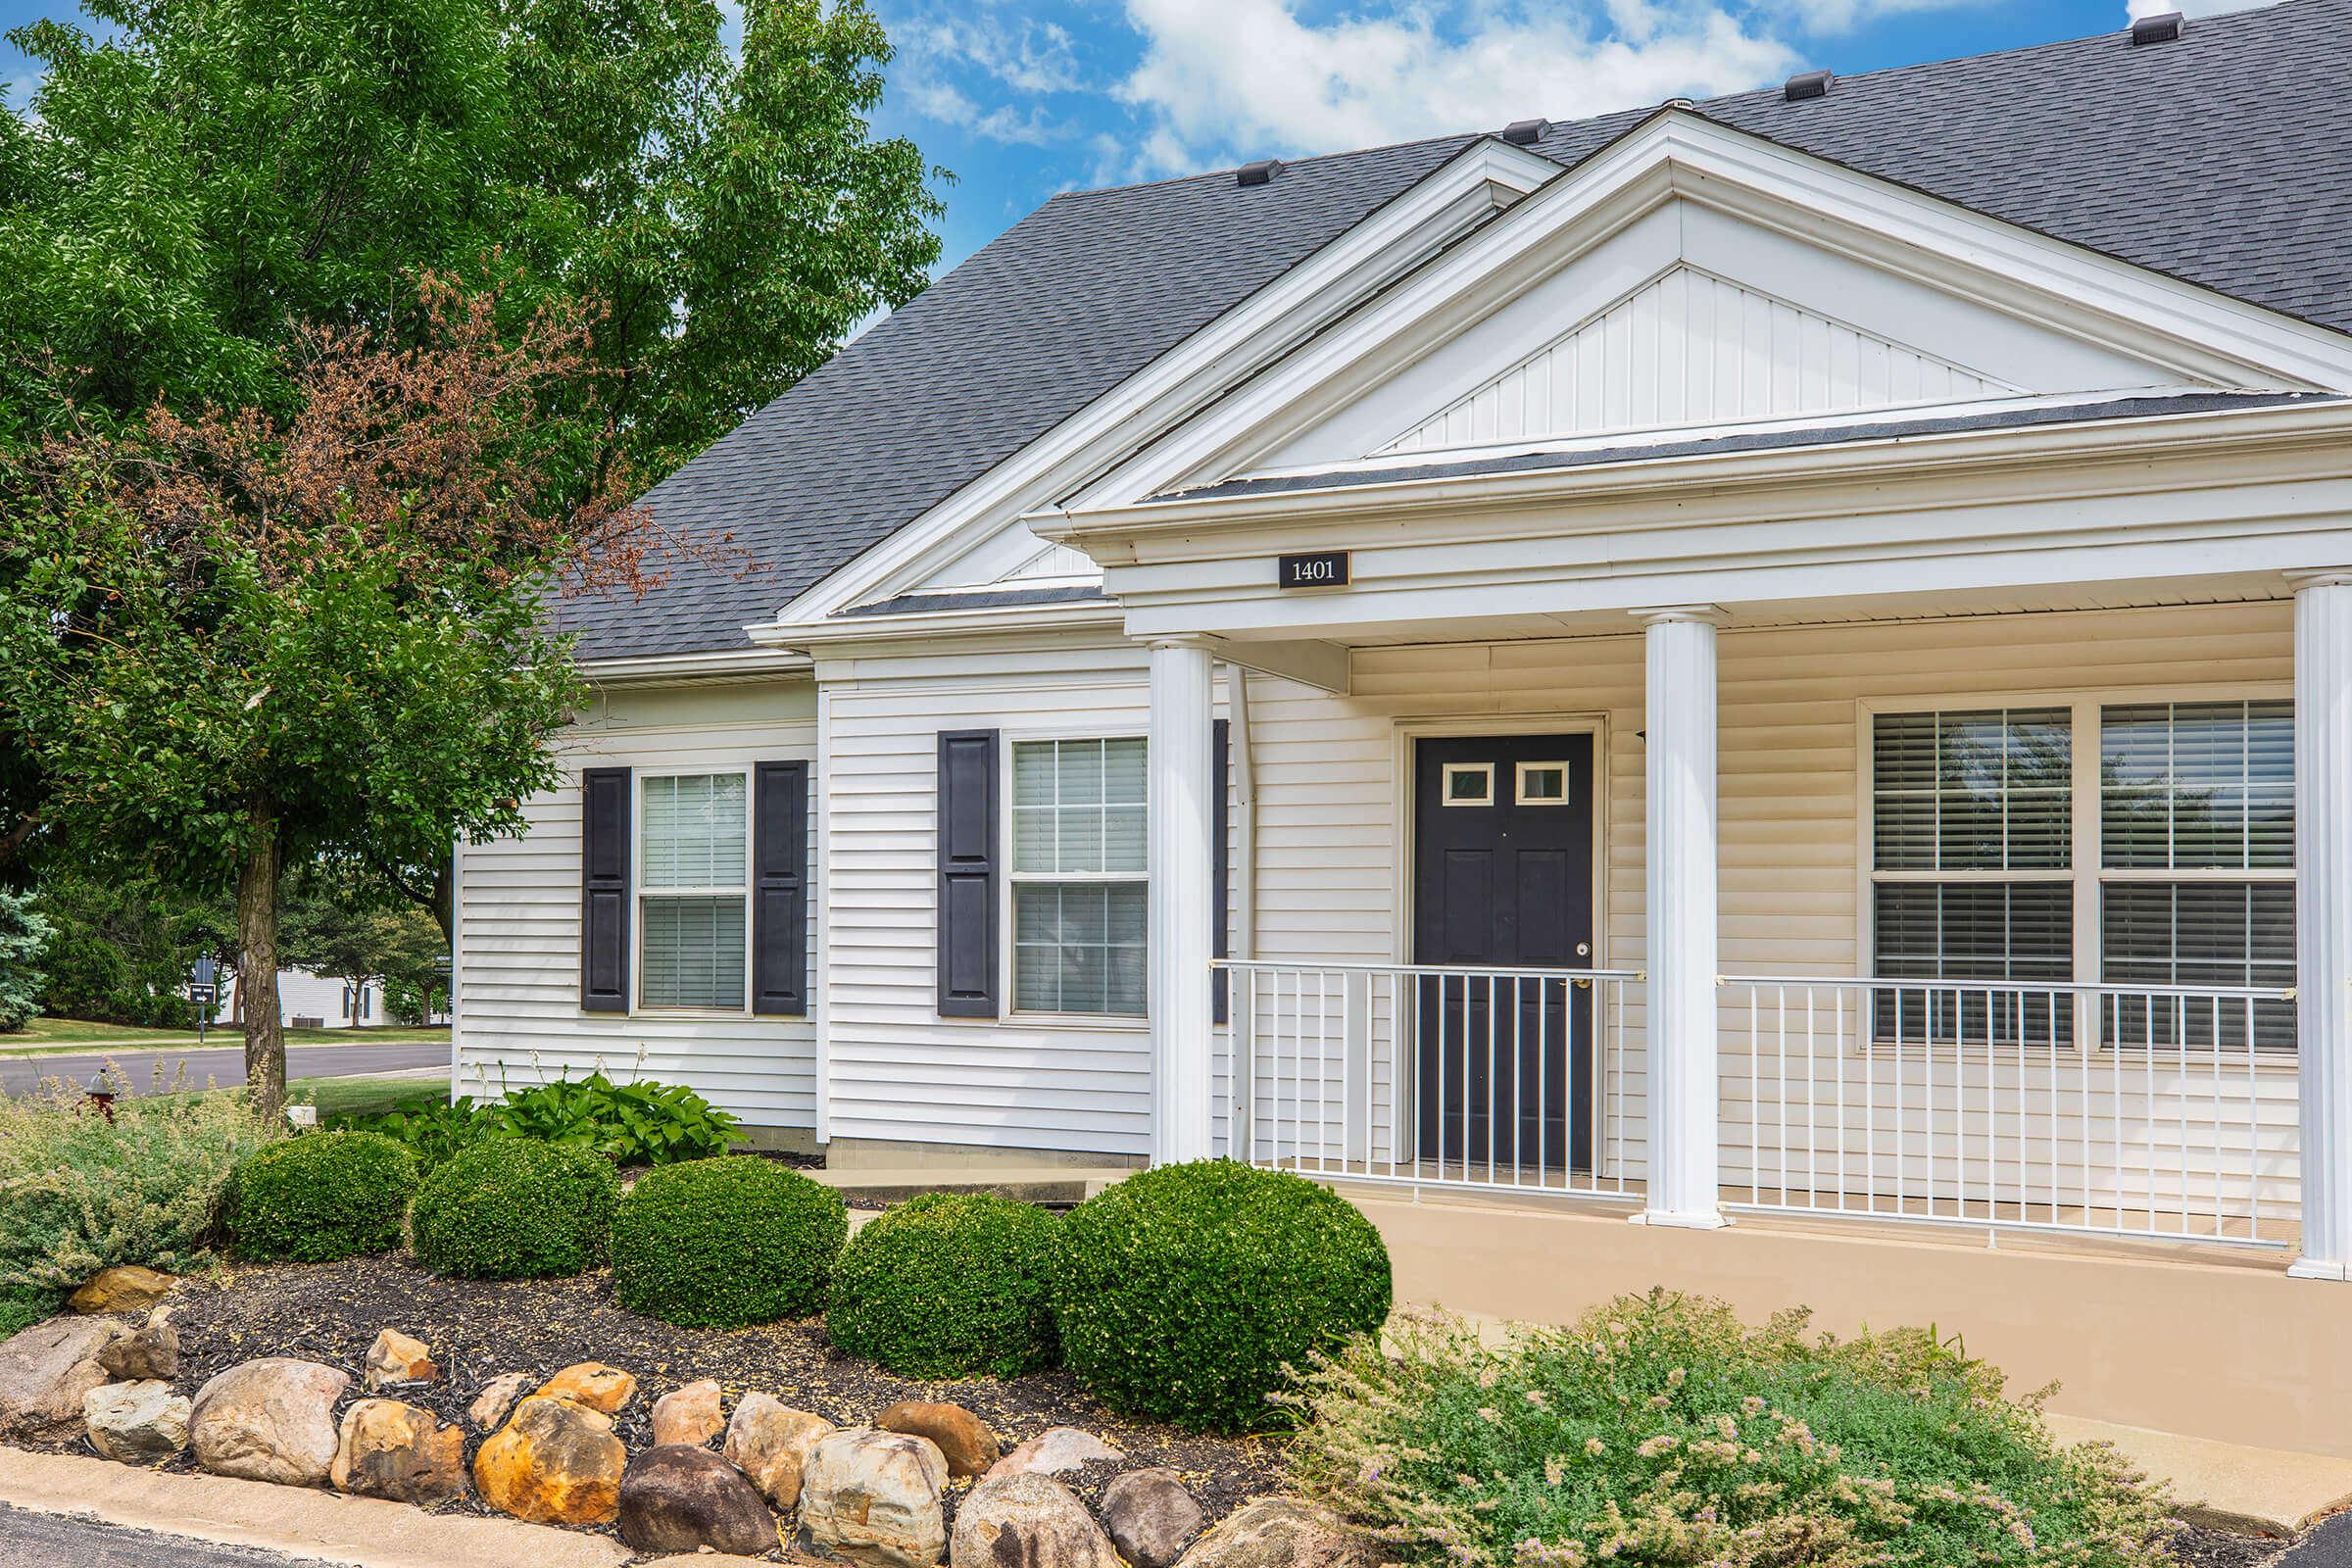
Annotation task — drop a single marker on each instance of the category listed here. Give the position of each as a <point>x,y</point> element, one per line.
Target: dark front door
<point>1502,865</point>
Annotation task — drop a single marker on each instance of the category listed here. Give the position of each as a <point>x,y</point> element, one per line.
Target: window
<point>1971,827</point>
<point>694,890</point>
<point>1543,784</point>
<point>1468,783</point>
<point>2186,878</point>
<point>1080,843</point>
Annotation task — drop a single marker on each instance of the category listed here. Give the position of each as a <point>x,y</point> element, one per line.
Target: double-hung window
<point>694,890</point>
<point>2130,844</point>
<point>1079,826</point>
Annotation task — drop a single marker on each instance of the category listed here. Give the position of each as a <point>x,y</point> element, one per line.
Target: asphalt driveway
<point>222,1065</point>
<point>47,1541</point>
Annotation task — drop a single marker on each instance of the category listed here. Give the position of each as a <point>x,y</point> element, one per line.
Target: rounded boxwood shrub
<point>320,1197</point>
<point>516,1209</point>
<point>951,1284</point>
<point>725,1243</point>
<point>1183,1291</point>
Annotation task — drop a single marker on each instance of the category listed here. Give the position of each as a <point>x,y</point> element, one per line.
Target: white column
<point>1682,911</point>
<point>1182,1080</point>
<point>2324,919</point>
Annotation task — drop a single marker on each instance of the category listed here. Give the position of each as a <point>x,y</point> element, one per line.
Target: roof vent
<point>1679,103</point>
<point>1262,172</point>
<point>1808,84</point>
<point>1524,133</point>
<point>2162,28</point>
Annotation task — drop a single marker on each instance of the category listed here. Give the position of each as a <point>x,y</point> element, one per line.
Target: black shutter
<point>1220,883</point>
<point>967,874</point>
<point>781,890</point>
<point>604,890</point>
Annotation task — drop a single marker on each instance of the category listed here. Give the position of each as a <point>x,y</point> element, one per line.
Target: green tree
<point>343,921</point>
<point>242,643</point>
<point>195,184</point>
<point>23,939</point>
<point>126,941</point>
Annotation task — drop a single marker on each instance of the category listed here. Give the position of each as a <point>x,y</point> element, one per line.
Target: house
<point>1778,667</point>
<point>307,1001</point>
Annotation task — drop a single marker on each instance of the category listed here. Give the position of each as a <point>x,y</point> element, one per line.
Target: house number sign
<point>1325,569</point>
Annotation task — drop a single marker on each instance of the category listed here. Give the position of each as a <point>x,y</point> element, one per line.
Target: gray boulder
<point>1027,1520</point>
<point>45,1372</point>
<point>683,1498</point>
<point>270,1420</point>
<point>137,1423</point>
<point>873,1498</point>
<point>1149,1516</point>
<point>1282,1533</point>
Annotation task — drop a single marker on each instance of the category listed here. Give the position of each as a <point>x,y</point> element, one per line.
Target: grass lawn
<point>44,1035</point>
<point>364,1097</point>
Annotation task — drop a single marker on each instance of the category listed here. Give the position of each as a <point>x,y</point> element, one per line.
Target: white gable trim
<point>2192,334</point>
<point>1717,352</point>
<point>1468,189</point>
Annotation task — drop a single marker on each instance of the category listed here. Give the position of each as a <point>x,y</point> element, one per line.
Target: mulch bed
<point>2199,1547</point>
<point>477,1329</point>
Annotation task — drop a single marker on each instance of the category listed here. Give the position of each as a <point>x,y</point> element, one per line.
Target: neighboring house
<point>306,1000</point>
<point>1782,659</point>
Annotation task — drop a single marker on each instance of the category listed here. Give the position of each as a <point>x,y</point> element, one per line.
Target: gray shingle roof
<point>2224,158</point>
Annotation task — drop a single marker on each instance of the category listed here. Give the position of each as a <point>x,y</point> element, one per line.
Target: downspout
<point>1245,909</point>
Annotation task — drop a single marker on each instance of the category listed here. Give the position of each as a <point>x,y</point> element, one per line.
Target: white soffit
<point>1689,348</point>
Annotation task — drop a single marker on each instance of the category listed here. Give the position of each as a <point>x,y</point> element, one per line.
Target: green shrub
<point>516,1209</point>
<point>20,1309</point>
<point>1661,1430</point>
<point>320,1197</point>
<point>951,1285</point>
<point>629,1124</point>
<point>1186,1290</point>
<point>80,1193</point>
<point>434,1130</point>
<point>726,1243</point>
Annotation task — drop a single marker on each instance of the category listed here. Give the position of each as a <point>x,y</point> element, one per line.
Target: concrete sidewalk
<point>2226,1484</point>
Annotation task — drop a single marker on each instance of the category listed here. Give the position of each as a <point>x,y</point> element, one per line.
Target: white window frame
<point>1008,958</point>
<point>639,893</point>
<point>2085,839</point>
<point>1519,795</point>
<point>1448,773</point>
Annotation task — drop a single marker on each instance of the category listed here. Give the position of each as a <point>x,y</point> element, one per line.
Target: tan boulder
<point>45,1372</point>
<point>593,1384</point>
<point>395,1359</point>
<point>125,1288</point>
<point>688,1416</point>
<point>137,1423</point>
<point>968,1443</point>
<point>1055,1451</point>
<point>1027,1520</point>
<point>873,1498</point>
<point>150,1350</point>
<point>556,1462</point>
<point>269,1420</point>
<point>492,1406</point>
<point>770,1441</point>
<point>1282,1533</point>
<point>390,1450</point>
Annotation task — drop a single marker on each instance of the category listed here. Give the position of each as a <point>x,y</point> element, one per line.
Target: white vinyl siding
<point>519,907</point>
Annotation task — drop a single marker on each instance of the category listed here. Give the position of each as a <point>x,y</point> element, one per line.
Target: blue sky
<point>1020,100</point>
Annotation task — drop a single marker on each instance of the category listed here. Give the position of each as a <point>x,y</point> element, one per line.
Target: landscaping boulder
<point>968,1443</point>
<point>1055,1451</point>
<point>770,1441</point>
<point>137,1423</point>
<point>689,1415</point>
<point>390,1450</point>
<point>1149,1516</point>
<point>683,1498</point>
<point>873,1498</point>
<point>395,1359</point>
<point>150,1350</point>
<point>126,1287</point>
<point>1027,1520</point>
<point>269,1420</point>
<point>491,1406</point>
<point>45,1371</point>
<point>556,1462</point>
<point>1282,1533</point>
<point>593,1384</point>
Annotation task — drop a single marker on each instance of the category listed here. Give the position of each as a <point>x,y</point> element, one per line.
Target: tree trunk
<point>257,971</point>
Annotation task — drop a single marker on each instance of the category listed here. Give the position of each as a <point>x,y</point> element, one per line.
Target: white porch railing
<point>2149,1111</point>
<point>2132,1111</point>
<point>1428,1074</point>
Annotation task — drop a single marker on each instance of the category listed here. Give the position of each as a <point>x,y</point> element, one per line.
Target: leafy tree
<point>243,642</point>
<point>23,939</point>
<point>339,921</point>
<point>196,184</point>
<point>124,942</point>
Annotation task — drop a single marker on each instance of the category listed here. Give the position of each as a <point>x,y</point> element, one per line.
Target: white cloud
<point>1227,80</point>
<point>1025,58</point>
<point>2192,8</point>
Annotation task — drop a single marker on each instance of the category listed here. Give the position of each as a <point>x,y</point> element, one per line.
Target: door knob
<point>1583,950</point>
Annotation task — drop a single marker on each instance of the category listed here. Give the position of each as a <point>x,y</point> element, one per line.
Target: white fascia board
<point>1469,187</point>
<point>2199,336</point>
<point>732,663</point>
<point>916,625</point>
